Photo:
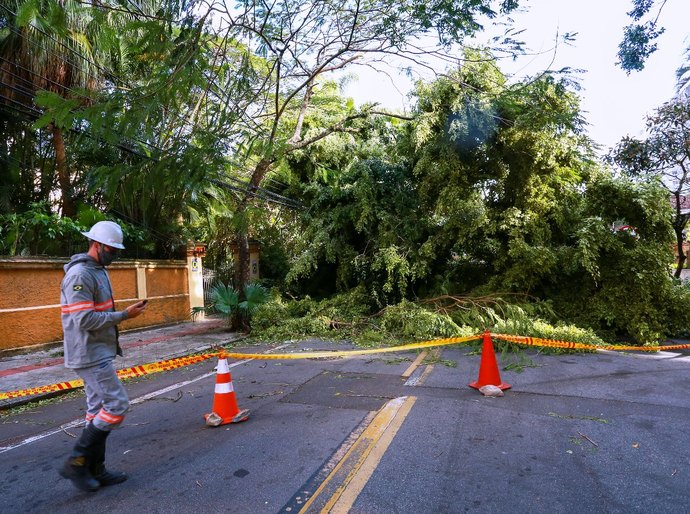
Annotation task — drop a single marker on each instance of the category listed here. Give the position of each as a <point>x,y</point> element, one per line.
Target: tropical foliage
<point>485,206</point>
<point>494,189</point>
<point>226,301</point>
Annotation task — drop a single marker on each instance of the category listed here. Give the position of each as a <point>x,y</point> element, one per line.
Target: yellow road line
<point>425,374</point>
<point>421,378</point>
<point>415,364</point>
<point>435,354</point>
<point>342,486</point>
<point>360,479</point>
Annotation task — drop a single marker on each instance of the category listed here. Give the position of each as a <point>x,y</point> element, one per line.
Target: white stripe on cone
<point>223,366</point>
<point>224,388</point>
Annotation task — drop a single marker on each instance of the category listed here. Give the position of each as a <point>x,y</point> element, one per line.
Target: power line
<point>248,187</point>
<point>264,194</point>
<point>83,57</point>
<point>18,88</point>
<point>35,113</point>
<point>255,191</point>
<point>61,56</point>
<point>31,92</point>
<point>20,104</point>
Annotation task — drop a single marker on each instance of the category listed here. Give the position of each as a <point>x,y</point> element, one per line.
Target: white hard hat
<point>106,232</point>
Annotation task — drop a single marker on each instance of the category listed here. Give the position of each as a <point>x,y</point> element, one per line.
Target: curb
<point>9,403</point>
<point>18,402</point>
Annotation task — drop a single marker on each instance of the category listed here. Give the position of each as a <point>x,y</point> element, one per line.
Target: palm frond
<point>226,299</point>
<point>256,295</point>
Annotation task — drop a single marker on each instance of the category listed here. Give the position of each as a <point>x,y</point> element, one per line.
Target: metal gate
<point>209,278</point>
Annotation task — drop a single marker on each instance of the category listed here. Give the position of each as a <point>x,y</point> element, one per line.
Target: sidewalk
<point>45,366</point>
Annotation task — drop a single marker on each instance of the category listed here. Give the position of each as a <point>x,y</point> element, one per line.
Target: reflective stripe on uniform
<point>104,306</point>
<point>77,307</point>
<point>111,419</point>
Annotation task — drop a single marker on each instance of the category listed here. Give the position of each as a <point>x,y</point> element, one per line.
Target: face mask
<point>105,257</point>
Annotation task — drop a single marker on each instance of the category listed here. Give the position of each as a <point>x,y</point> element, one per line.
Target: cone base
<point>214,420</point>
<point>502,386</point>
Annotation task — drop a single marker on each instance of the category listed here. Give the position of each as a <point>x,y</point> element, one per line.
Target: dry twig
<point>68,433</point>
<point>585,437</point>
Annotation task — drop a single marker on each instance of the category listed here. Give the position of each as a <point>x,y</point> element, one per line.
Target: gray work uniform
<point>89,322</point>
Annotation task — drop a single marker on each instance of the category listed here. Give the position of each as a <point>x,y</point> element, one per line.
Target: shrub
<point>226,301</point>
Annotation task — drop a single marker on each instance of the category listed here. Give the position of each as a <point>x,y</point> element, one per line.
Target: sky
<point>614,104</point>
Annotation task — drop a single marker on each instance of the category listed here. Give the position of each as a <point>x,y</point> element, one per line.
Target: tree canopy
<point>664,156</point>
<point>227,124</point>
<point>640,40</point>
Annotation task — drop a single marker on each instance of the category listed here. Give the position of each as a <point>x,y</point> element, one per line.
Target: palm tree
<point>56,46</point>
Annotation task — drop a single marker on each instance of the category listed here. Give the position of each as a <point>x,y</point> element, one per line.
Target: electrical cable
<point>83,57</point>
<point>184,121</point>
<point>248,186</point>
<point>263,193</point>
<point>257,192</point>
<point>31,93</point>
<point>219,90</point>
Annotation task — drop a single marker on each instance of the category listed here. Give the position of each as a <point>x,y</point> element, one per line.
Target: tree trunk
<point>69,208</point>
<point>242,267</point>
<point>681,254</point>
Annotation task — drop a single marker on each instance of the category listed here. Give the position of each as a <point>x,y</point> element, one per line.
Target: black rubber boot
<point>97,466</point>
<point>77,468</point>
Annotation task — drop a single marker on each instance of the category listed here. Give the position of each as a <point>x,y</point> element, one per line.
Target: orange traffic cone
<point>488,367</point>
<point>225,409</point>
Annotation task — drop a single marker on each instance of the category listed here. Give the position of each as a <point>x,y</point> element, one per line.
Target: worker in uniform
<point>89,322</point>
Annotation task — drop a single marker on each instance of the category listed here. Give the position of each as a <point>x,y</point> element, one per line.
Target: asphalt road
<point>598,432</point>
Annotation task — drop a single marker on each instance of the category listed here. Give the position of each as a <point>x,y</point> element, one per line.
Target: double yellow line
<point>338,492</point>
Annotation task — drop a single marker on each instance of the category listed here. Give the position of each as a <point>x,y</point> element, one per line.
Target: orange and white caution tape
<point>135,371</point>
<point>147,369</point>
<point>156,367</point>
<point>348,353</point>
<point>62,386</point>
<point>555,343</point>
